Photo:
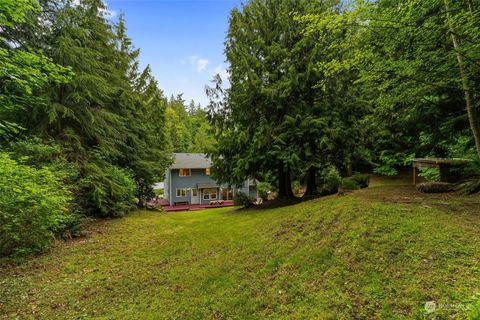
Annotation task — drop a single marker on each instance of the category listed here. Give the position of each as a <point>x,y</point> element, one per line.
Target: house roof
<point>190,160</point>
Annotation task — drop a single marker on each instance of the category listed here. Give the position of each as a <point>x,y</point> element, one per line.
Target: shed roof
<point>190,160</point>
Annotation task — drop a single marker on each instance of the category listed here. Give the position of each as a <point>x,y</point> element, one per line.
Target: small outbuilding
<point>444,166</point>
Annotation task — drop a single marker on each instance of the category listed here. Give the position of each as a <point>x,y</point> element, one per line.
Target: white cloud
<point>222,71</point>
<point>199,63</point>
<point>202,64</point>
<point>108,14</point>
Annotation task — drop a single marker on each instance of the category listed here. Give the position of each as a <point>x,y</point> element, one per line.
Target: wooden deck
<point>191,207</point>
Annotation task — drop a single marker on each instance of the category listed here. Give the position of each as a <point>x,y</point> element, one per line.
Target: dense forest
<point>317,90</point>
<point>83,130</point>
<point>320,89</point>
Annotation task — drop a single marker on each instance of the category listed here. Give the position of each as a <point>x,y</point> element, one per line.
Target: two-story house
<point>188,181</point>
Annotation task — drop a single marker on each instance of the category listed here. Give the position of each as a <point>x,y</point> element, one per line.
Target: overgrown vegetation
<point>359,85</point>
<point>74,103</point>
<point>333,88</point>
<point>34,207</point>
<point>329,180</point>
<point>242,199</point>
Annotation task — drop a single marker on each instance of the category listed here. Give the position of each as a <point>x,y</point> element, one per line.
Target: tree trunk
<point>311,182</point>
<point>288,184</point>
<point>282,193</point>
<point>284,183</point>
<point>472,114</point>
<point>349,168</point>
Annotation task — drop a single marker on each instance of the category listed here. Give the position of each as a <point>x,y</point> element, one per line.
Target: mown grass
<point>363,256</point>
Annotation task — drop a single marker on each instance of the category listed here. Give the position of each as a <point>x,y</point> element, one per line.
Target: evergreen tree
<point>24,73</point>
<point>274,121</point>
<point>109,117</point>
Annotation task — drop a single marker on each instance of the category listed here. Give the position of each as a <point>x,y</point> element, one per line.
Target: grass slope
<point>377,253</point>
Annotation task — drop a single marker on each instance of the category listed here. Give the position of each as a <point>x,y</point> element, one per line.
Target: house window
<point>209,194</point>
<point>185,172</point>
<point>227,194</point>
<point>207,171</point>
<point>181,192</point>
<point>194,192</point>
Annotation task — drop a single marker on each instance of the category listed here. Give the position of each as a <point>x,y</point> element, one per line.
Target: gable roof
<point>190,160</point>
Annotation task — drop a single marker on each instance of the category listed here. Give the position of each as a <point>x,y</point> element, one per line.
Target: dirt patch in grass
<point>408,194</point>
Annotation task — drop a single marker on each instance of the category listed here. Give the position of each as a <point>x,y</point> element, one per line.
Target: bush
<point>349,184</point>
<point>430,174</point>
<point>296,188</point>
<point>263,189</point>
<point>33,207</point>
<point>434,187</point>
<point>159,192</point>
<point>328,180</point>
<point>154,207</point>
<point>469,187</point>
<point>241,199</point>
<point>363,180</point>
<point>467,171</point>
<point>108,191</point>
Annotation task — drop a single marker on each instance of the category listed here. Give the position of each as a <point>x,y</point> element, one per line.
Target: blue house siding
<point>253,192</point>
<point>174,181</point>
<point>249,188</point>
<point>198,177</point>
<point>166,185</point>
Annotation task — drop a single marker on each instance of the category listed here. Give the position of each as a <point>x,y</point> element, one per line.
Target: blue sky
<point>182,40</point>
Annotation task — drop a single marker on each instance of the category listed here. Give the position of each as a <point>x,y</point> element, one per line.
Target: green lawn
<point>377,253</point>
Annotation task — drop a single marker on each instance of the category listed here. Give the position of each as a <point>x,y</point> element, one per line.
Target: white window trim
<point>181,191</point>
<point>210,195</point>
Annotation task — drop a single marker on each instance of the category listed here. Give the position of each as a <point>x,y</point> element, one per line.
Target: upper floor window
<point>185,172</point>
<point>207,171</point>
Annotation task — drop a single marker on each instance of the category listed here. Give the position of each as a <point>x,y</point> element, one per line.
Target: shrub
<point>434,187</point>
<point>389,162</point>
<point>467,171</point>
<point>329,180</point>
<point>431,174</point>
<point>159,192</point>
<point>296,187</point>
<point>263,189</point>
<point>33,207</point>
<point>241,199</point>
<point>108,191</point>
<point>385,170</point>
<point>154,207</point>
<point>469,187</point>
<point>362,179</point>
<point>349,184</point>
